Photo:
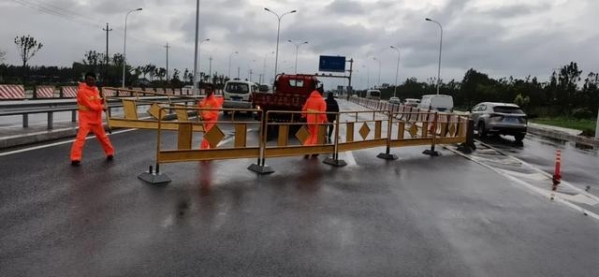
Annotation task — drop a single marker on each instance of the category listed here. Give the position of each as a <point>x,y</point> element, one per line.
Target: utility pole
<point>210,66</point>
<point>107,29</point>
<point>167,47</point>
<point>107,58</point>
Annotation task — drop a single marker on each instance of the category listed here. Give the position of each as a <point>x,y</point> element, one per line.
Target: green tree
<point>28,47</point>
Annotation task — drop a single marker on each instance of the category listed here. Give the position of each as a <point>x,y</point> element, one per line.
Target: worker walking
<point>314,111</point>
<point>209,116</point>
<point>332,107</point>
<point>90,106</point>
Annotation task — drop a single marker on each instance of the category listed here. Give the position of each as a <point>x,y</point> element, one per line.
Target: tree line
<point>565,94</point>
<point>562,95</point>
<point>108,69</point>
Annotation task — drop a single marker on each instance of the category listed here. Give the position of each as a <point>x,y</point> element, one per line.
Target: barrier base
<point>154,179</point>
<point>333,162</point>
<point>431,153</point>
<point>389,157</point>
<point>466,149</point>
<point>261,169</point>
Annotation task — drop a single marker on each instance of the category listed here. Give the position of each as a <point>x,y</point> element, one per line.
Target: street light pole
<point>278,32</point>
<point>396,70</point>
<point>125,44</point>
<point>198,55</point>
<point>297,45</point>
<point>440,50</point>
<point>234,53</point>
<point>374,58</point>
<point>195,50</point>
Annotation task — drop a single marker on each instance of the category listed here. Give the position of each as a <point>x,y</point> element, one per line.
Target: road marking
<point>557,196</point>
<point>56,143</point>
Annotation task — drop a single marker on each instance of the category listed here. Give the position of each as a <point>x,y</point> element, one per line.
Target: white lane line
<point>545,193</point>
<point>57,143</point>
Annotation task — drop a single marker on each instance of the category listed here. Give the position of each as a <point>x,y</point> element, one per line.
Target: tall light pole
<point>167,47</point>
<point>234,53</point>
<point>440,49</point>
<point>199,50</point>
<point>396,70</point>
<point>125,44</point>
<point>278,32</point>
<point>297,45</point>
<point>374,58</point>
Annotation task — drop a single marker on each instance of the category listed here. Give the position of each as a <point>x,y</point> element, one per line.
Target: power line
<point>71,16</point>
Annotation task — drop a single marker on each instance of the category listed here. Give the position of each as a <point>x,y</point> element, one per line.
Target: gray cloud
<point>347,7</point>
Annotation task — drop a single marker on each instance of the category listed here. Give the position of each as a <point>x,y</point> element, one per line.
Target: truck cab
<point>289,93</point>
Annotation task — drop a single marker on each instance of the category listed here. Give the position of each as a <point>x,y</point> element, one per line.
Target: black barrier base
<point>389,157</point>
<point>261,169</point>
<point>333,162</point>
<point>466,149</point>
<point>154,179</point>
<point>431,153</point>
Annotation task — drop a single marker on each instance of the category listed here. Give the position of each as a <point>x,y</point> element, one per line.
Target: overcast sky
<point>500,37</point>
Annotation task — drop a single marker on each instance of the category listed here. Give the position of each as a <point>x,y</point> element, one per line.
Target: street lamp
<point>278,32</point>
<point>440,49</point>
<point>234,53</point>
<point>199,59</point>
<point>125,44</point>
<point>297,45</point>
<point>396,70</point>
<point>374,58</point>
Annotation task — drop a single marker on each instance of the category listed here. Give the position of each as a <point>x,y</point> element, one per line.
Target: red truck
<point>289,93</point>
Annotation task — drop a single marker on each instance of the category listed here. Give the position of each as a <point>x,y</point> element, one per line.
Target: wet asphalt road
<point>580,163</point>
<point>418,216</point>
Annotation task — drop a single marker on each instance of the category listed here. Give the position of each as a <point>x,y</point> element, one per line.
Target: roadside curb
<point>32,138</point>
<point>562,135</point>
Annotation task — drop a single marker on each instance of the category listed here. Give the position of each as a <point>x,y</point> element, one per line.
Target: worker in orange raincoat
<point>90,106</point>
<point>314,103</point>
<point>210,117</point>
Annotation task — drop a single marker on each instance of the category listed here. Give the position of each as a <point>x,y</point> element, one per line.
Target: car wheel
<point>481,130</point>
<point>519,137</point>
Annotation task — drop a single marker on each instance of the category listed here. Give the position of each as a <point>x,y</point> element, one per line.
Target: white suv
<point>500,118</point>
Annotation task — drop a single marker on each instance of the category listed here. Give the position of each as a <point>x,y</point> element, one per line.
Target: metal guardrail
<point>49,107</point>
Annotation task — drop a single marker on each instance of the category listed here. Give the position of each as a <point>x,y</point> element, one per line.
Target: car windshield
<point>237,88</point>
<point>508,110</point>
<point>375,93</point>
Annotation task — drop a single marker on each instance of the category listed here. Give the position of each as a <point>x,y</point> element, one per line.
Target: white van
<point>373,94</point>
<point>237,94</point>
<point>437,102</point>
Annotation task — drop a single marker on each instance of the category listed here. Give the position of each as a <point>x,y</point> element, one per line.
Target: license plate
<point>510,120</point>
<point>235,98</point>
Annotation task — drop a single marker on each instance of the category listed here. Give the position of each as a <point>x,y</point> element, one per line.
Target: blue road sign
<point>331,64</point>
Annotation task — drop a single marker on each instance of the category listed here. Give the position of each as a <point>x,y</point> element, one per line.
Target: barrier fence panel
<point>45,91</point>
<point>69,91</point>
<point>229,138</point>
<point>12,92</point>
<point>234,138</point>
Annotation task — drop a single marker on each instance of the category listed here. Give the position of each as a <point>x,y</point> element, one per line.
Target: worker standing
<point>90,106</point>
<point>332,107</point>
<point>314,111</point>
<point>210,116</point>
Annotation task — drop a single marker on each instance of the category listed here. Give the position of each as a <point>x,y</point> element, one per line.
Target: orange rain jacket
<point>315,103</point>
<point>210,102</point>
<point>90,104</point>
